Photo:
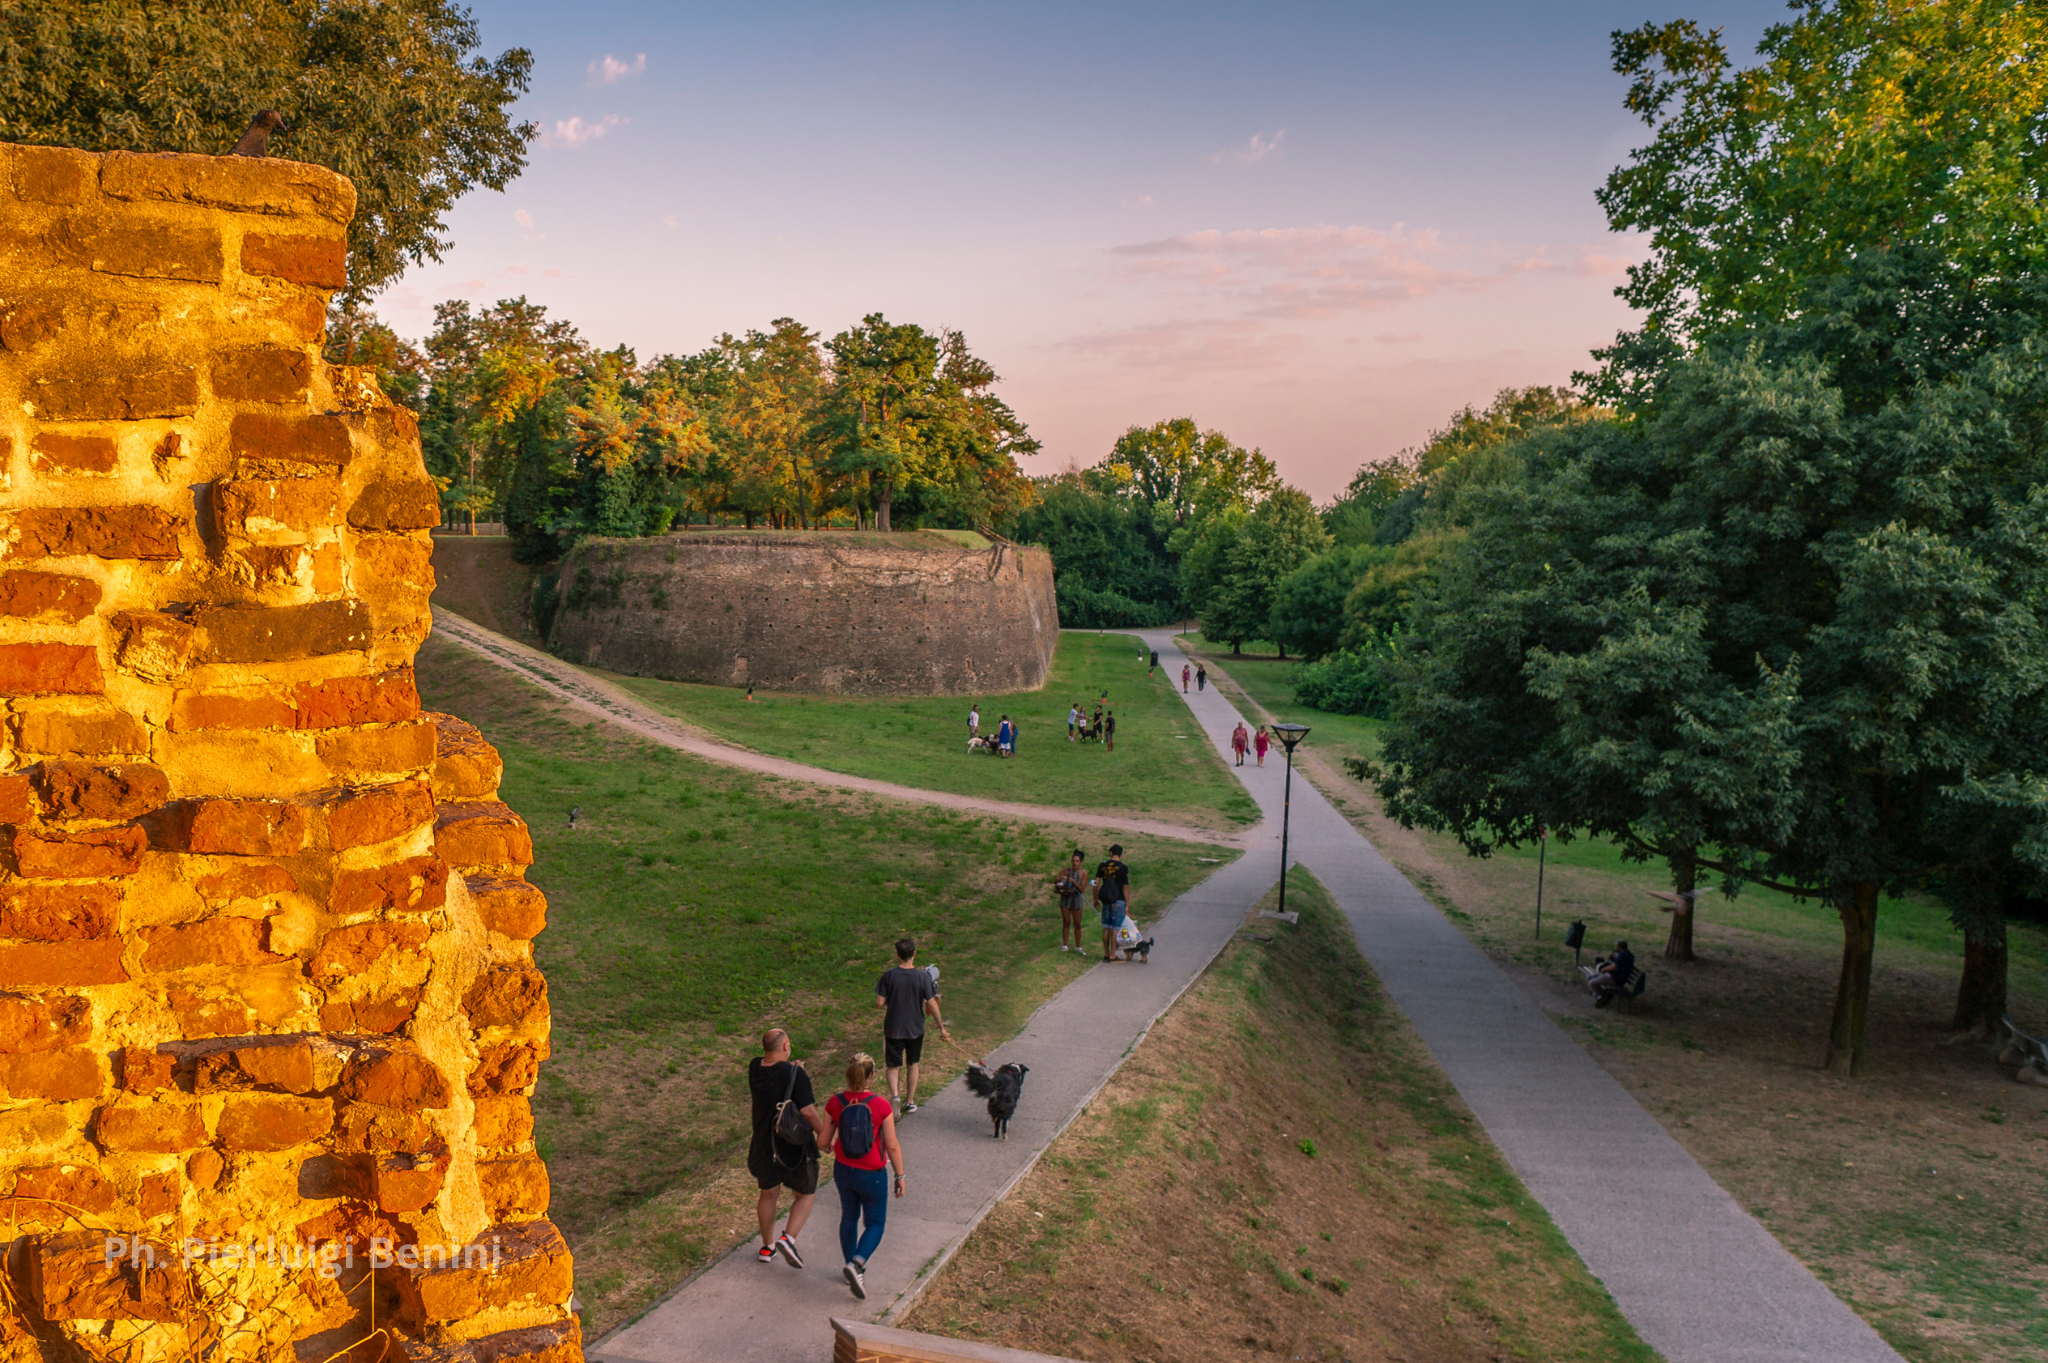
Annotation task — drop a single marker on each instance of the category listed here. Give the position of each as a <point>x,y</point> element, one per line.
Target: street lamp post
<point>1290,734</point>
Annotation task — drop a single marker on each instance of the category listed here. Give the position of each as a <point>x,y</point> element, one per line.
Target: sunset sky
<point>1320,228</point>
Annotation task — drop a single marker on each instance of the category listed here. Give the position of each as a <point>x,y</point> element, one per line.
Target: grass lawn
<point>691,907</point>
<point>1279,1171</point>
<point>1161,767</point>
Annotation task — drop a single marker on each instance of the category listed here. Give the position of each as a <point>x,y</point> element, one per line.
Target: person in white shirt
<point>974,721</point>
<point>1073,721</point>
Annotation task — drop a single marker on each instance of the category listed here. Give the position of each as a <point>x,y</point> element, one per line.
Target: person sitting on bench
<point>1612,976</point>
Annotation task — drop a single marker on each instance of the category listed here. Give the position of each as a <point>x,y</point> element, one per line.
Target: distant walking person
<point>974,721</point>
<point>1186,674</point>
<point>906,996</point>
<point>1068,884</point>
<point>1109,732</point>
<point>1113,893</point>
<point>1201,679</point>
<point>1240,740</point>
<point>862,1138</point>
<point>1260,743</point>
<point>1152,666</point>
<point>780,1086</point>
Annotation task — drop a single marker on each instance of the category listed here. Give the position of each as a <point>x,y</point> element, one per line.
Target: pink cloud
<point>1303,272</point>
<point>574,132</point>
<point>1256,149</point>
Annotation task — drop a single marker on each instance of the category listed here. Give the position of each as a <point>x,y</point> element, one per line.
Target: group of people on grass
<point>1082,727</point>
<point>1002,743</point>
<point>1110,887</point>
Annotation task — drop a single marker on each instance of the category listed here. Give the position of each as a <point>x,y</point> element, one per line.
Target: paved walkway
<point>1697,1276</point>
<point>596,696</point>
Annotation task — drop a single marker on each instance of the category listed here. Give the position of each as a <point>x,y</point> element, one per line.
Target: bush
<point>1081,608</point>
<point>1351,681</point>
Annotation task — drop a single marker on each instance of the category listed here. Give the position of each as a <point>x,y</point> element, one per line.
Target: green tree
<point>1184,473</point>
<point>391,95</point>
<point>1308,603</point>
<point>1111,567</point>
<point>1238,557</point>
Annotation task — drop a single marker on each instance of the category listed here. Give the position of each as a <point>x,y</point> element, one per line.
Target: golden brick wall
<point>269,1018</point>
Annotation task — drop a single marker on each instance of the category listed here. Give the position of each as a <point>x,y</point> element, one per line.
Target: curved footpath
<point>1700,1279</point>
<point>601,698</point>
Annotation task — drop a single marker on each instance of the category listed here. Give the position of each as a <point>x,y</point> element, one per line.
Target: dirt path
<point>598,697</point>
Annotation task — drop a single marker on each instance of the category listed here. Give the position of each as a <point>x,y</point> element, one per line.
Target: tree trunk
<point>1848,1030</point>
<point>882,497</point>
<point>1980,999</point>
<point>1684,877</point>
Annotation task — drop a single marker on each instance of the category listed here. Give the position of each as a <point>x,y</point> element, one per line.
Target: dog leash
<point>983,1063</point>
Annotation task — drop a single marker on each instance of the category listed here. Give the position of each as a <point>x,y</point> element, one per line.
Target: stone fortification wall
<point>267,994</point>
<point>865,614</point>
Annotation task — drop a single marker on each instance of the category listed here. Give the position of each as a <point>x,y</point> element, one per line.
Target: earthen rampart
<point>267,992</point>
<point>862,614</point>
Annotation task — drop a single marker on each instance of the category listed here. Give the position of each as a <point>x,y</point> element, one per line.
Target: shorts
<point>1070,903</point>
<point>1113,914</point>
<point>800,1178</point>
<point>900,1051</point>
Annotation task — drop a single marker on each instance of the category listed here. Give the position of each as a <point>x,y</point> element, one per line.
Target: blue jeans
<point>863,1193</point>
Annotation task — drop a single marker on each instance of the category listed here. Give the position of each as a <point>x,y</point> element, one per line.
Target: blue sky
<point>1320,228</point>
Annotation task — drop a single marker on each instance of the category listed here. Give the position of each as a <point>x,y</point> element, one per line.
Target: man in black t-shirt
<point>773,1078</point>
<point>1113,892</point>
<point>906,995</point>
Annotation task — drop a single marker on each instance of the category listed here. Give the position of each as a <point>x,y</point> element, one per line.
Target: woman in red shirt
<point>861,1172</point>
<point>1260,743</point>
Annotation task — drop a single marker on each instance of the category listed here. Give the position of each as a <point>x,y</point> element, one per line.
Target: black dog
<point>1002,1087</point>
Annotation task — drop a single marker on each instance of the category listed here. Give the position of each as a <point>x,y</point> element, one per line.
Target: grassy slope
<point>1905,1191</point>
<point>1160,767</point>
<point>1279,1170</point>
<point>691,907</point>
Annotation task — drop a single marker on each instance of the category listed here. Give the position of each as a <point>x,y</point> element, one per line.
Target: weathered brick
<point>287,1068</point>
<point>158,1127</point>
<point>510,906</point>
<point>273,186</point>
<point>386,698</point>
<point>58,913</point>
<point>126,395</point>
<point>556,1342</point>
<point>372,1128</point>
<point>73,1277</point>
<point>395,1078</point>
<point>68,1185</point>
<point>320,439</point>
<point>397,563</point>
<point>268,634</point>
<point>403,1182</point>
<point>55,1076</point>
<point>509,997</point>
<point>272,1121</point>
<point>153,645</point>
<point>482,833</point>
<point>503,1122</point>
<point>465,766</point>
<point>521,1264</point>
<point>205,1012</point>
<point>47,596</point>
<point>50,669</point>
<point>383,751</point>
<point>245,828</point>
<point>158,1195</point>
<point>318,261</point>
<point>54,175</point>
<point>204,1168</point>
<point>40,727</point>
<point>370,1017</point>
<point>138,532</point>
<point>213,941</point>
<point>276,510</point>
<point>15,789</point>
<point>378,814</point>
<point>143,250</point>
<point>266,374</point>
<point>27,964</point>
<point>233,883</point>
<point>76,856</point>
<point>352,950</point>
<point>55,452</point>
<point>27,323</point>
<point>397,504</point>
<point>42,1024</point>
<point>243,710</point>
<point>99,790</point>
<point>507,1067</point>
<point>146,1070</point>
<point>414,885</point>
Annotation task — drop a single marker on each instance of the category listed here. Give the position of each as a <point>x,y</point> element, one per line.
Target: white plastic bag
<point>1128,933</point>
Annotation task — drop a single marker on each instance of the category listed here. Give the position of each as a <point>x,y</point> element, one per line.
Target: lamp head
<point>1291,734</point>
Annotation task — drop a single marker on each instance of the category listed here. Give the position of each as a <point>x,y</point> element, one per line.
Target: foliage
<point>1308,604</point>
<point>1185,474</point>
<point>1106,551</point>
<point>1869,126</point>
<point>1352,681</point>
<point>1234,561</point>
<point>390,95</point>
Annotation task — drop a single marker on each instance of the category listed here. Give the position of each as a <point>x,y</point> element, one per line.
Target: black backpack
<point>856,1129</point>
<point>791,1126</point>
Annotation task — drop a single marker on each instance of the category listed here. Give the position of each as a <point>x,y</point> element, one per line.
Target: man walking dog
<point>906,996</point>
<point>1112,892</point>
<point>784,1105</point>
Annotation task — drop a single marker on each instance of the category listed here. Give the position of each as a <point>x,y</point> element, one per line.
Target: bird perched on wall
<point>256,141</point>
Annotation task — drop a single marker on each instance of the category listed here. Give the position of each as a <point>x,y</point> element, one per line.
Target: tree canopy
<point>392,95</point>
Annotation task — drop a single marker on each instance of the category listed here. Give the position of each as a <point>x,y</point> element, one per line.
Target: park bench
<point>2030,1053</point>
<point>1631,988</point>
